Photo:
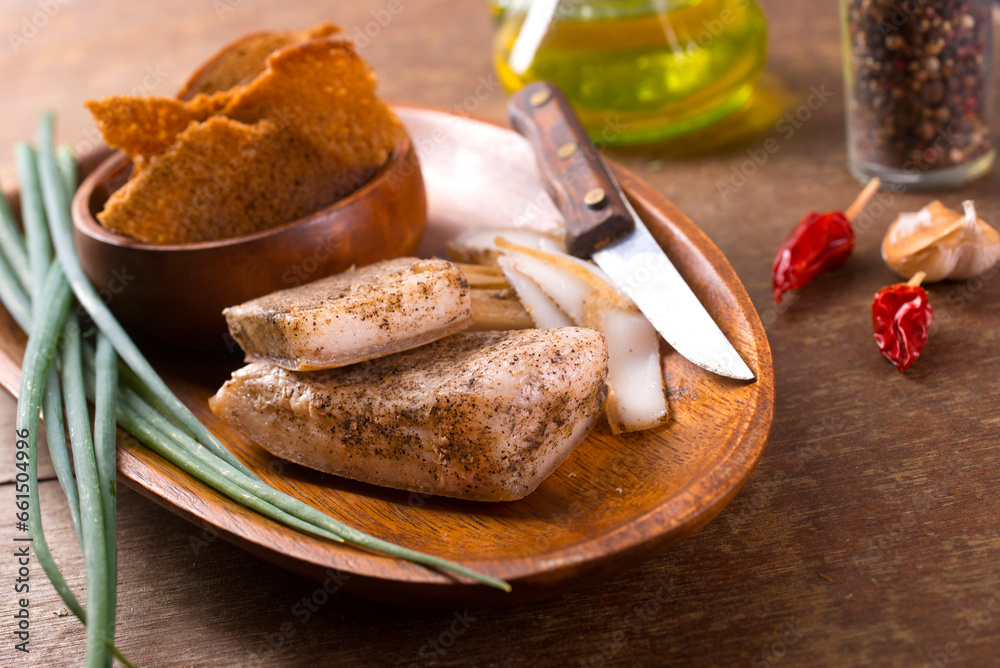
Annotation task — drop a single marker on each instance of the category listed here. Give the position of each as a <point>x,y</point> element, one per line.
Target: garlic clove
<point>941,242</point>
<point>914,232</point>
<point>977,247</point>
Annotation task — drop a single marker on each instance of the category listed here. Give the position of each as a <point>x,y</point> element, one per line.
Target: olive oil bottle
<point>636,70</point>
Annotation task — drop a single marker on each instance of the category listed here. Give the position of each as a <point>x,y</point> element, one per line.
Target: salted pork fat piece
<point>484,416</point>
<point>354,316</point>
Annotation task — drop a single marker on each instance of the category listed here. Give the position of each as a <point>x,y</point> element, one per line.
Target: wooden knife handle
<point>574,172</point>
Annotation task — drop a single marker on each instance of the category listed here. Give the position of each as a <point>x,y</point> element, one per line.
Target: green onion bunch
<point>65,366</point>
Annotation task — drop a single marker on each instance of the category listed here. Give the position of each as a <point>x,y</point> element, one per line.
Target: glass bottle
<point>498,7</point>
<point>636,70</point>
<point>918,77</point>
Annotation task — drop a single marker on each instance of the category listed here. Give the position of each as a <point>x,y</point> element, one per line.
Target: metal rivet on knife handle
<point>570,167</point>
<point>566,150</point>
<point>540,97</point>
<point>595,198</point>
<point>590,230</point>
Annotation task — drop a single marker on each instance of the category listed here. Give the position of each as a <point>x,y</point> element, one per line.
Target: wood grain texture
<point>614,502</point>
<point>173,296</point>
<point>571,168</point>
<point>8,409</point>
<point>867,535</point>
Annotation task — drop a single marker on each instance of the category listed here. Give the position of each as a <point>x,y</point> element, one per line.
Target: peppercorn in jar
<point>918,77</point>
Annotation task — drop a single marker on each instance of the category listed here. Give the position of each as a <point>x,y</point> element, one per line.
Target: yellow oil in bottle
<point>637,71</point>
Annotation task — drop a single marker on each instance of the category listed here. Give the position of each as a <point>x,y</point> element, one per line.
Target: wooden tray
<point>615,502</point>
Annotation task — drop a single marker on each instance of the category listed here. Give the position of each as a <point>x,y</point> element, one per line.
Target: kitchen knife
<point>601,224</point>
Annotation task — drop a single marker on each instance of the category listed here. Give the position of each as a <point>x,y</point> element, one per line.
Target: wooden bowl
<point>616,500</point>
<point>173,295</point>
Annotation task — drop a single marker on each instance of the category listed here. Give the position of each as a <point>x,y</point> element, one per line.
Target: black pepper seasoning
<point>918,78</point>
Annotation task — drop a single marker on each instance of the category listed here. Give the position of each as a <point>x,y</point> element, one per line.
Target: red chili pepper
<point>901,316</point>
<point>821,242</point>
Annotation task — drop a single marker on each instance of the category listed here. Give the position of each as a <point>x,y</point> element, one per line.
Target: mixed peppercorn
<point>918,81</point>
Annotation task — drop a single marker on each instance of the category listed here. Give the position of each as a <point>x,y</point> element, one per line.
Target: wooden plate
<point>615,502</point>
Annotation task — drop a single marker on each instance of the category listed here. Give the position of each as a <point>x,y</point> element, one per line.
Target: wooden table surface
<point>868,534</point>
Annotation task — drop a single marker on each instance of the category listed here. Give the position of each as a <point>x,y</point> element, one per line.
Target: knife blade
<point>601,224</point>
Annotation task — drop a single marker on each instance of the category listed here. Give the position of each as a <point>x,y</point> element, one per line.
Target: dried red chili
<point>820,242</point>
<point>901,316</point>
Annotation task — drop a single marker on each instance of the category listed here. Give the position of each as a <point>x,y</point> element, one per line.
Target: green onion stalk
<point>45,319</point>
<point>92,501</point>
<point>125,389</point>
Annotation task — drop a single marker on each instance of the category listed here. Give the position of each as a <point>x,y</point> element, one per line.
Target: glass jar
<point>636,70</point>
<point>918,77</point>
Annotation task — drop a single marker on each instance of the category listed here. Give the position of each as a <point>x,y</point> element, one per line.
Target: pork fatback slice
<point>354,316</point>
<point>484,416</point>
